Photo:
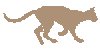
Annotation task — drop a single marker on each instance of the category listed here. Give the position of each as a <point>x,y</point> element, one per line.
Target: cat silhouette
<point>69,19</point>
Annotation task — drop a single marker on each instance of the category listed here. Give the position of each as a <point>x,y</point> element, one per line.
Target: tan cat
<point>69,19</point>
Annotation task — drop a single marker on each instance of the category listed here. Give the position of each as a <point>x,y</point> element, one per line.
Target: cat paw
<point>54,41</point>
<point>80,40</point>
<point>60,34</point>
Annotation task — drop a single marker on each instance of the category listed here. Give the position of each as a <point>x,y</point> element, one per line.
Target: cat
<point>69,19</point>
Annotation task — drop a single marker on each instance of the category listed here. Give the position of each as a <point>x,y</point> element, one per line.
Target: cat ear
<point>92,9</point>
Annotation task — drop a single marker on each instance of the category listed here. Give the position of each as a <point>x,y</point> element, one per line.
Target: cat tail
<point>20,19</point>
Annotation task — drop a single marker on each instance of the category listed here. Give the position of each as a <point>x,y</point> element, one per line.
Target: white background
<point>21,36</point>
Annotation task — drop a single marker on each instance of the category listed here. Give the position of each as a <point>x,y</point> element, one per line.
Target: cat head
<point>91,15</point>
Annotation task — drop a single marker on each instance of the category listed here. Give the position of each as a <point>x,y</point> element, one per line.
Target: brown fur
<point>69,19</point>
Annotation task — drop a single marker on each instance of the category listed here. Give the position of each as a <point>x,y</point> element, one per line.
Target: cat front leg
<point>72,31</point>
<point>64,32</point>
